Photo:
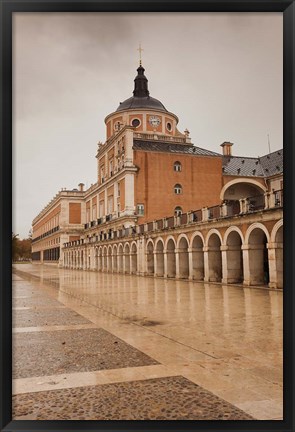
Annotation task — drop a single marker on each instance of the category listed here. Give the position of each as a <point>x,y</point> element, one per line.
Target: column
<point>253,264</point>
<point>206,264</point>
<point>224,250</point>
<point>266,200</point>
<point>205,214</point>
<point>190,263</point>
<point>142,257</point>
<point>275,260</point>
<point>177,263</point>
<point>242,205</point>
<point>165,263</point>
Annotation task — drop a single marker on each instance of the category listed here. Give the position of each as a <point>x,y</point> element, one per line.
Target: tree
<point>15,247</point>
<point>21,249</point>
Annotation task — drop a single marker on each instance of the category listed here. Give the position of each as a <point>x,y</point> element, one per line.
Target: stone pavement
<point>94,346</point>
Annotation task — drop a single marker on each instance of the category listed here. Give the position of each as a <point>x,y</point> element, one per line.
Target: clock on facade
<point>154,121</point>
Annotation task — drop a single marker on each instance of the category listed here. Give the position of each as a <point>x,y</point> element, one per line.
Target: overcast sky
<point>221,74</point>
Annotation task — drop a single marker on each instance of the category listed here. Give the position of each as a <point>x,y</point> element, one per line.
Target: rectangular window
<point>94,212</point>
<point>102,174</point>
<point>140,209</point>
<point>101,208</point>
<point>110,204</point>
<point>118,188</point>
<point>111,168</point>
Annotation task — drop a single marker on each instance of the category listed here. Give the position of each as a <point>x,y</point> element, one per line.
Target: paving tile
<point>263,409</point>
<point>56,352</point>
<point>82,379</point>
<point>35,317</point>
<point>172,398</point>
<point>35,301</point>
<point>224,339</point>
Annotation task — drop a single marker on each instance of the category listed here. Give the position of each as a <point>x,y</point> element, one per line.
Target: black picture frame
<point>8,7</point>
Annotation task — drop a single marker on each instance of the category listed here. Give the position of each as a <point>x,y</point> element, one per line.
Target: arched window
<point>177,189</point>
<point>177,166</point>
<point>178,211</point>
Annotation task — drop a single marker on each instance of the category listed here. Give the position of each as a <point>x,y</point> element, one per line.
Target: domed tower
<point>142,112</point>
<point>147,169</point>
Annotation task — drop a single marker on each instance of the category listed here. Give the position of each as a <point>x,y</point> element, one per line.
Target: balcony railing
<point>278,196</point>
<point>150,226</point>
<point>233,208</point>
<point>183,219</point>
<point>255,202</point>
<point>46,234</point>
<point>214,212</point>
<point>169,222</point>
<point>196,216</point>
<point>227,209</point>
<point>159,224</point>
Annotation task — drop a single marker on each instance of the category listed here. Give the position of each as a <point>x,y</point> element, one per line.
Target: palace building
<point>162,206</point>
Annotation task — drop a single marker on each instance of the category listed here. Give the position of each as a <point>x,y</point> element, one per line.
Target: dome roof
<point>141,102</point>
<point>141,96</point>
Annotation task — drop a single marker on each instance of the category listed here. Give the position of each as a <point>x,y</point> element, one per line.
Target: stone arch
<point>274,232</point>
<point>133,257</point>
<point>233,269</point>
<point>212,231</point>
<point>256,241</point>
<point>170,256</point>
<point>180,237</point>
<point>183,259</point>
<point>196,234</point>
<point>243,181</point>
<point>120,258</point>
<point>159,257</point>
<point>214,242</point>
<point>150,266</point>
<point>197,251</point>
<point>229,230</point>
<point>252,227</point>
<point>126,258</point>
<point>276,252</point>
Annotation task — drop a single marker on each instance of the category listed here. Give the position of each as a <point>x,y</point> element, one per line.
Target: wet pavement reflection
<point>221,337</point>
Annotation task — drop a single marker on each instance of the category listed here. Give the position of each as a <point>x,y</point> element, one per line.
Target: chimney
<point>226,148</point>
<point>81,187</point>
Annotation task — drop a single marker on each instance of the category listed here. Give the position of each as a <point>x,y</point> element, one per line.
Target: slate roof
<point>272,163</point>
<point>264,166</point>
<point>168,147</point>
<point>147,102</point>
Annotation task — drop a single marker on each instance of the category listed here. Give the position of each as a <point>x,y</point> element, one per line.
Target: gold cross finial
<point>140,50</point>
